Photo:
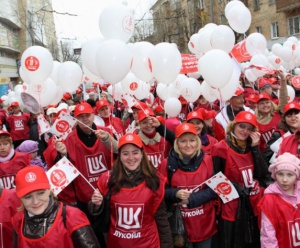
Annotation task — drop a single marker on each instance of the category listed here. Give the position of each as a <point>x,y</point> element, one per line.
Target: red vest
<point>9,202</point>
<point>207,149</point>
<point>9,169</point>
<point>90,161</point>
<point>266,131</point>
<point>58,235</point>
<point>157,152</point>
<point>289,144</point>
<point>239,168</point>
<point>203,217</point>
<point>19,129</point>
<point>132,211</point>
<point>285,219</point>
<point>116,127</point>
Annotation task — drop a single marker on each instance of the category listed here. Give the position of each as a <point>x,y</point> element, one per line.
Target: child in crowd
<point>31,147</point>
<point>280,205</point>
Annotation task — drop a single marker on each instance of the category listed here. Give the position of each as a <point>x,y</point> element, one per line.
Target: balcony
<point>287,5</point>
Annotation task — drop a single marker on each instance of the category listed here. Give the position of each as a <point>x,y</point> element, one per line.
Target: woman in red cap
<point>9,202</point>
<point>45,222</point>
<point>155,145</point>
<point>137,210</point>
<point>239,158</point>
<point>186,167</point>
<point>289,124</point>
<point>207,141</point>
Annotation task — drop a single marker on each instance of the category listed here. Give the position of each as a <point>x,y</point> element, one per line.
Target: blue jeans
<point>203,244</point>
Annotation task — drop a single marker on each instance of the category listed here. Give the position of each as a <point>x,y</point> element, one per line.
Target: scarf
<point>204,139</point>
<point>150,136</point>
<point>8,157</point>
<point>240,145</point>
<point>131,173</point>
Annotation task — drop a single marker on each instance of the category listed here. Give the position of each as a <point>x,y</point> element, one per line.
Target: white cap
<point>51,111</point>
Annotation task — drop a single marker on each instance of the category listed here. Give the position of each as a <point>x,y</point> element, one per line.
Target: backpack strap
<point>64,214</point>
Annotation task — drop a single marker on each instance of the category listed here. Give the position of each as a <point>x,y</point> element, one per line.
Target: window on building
<point>274,30</point>
<point>294,25</point>
<point>256,5</point>
<point>201,4</point>
<point>272,2</point>
<point>258,29</point>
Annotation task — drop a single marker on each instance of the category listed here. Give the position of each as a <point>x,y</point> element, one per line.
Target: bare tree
<point>67,52</point>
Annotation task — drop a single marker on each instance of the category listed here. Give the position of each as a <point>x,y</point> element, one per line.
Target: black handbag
<point>101,222</point>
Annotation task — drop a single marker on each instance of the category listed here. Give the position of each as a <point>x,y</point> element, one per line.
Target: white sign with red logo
<point>61,175</point>
<point>63,125</point>
<point>43,124</point>
<point>223,187</point>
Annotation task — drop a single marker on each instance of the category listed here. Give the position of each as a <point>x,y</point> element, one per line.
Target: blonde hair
<point>231,125</point>
<point>197,152</point>
<point>259,116</point>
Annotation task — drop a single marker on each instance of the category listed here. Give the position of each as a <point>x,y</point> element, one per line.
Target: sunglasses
<point>244,126</point>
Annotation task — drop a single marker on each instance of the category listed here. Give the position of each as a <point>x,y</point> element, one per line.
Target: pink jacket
<point>267,232</point>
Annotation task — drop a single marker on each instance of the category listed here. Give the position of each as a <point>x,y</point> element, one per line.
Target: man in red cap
<point>251,101</point>
<point>18,124</point>
<point>133,127</point>
<point>228,113</point>
<point>113,123</point>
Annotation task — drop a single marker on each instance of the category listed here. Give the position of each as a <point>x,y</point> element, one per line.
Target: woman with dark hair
<point>137,211</point>
<point>290,123</point>
<point>239,159</point>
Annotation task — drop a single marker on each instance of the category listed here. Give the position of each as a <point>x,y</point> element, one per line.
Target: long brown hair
<point>118,174</point>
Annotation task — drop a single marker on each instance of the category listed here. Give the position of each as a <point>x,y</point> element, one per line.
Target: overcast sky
<point>84,25</point>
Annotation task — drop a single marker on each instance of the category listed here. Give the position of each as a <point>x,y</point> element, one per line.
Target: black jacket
<point>34,227</point>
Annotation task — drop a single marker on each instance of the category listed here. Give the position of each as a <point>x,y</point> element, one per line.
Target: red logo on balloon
<point>150,65</point>
<point>224,188</point>
<point>58,178</point>
<point>62,126</point>
<point>277,61</point>
<point>296,82</point>
<point>128,24</point>
<point>192,45</point>
<point>32,63</point>
<point>133,86</point>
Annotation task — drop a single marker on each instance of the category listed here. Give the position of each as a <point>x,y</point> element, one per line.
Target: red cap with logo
<point>263,83</point>
<point>263,96</point>
<point>185,128</point>
<point>252,98</point>
<point>238,91</point>
<point>291,105</point>
<point>2,132</point>
<point>30,179</point>
<point>14,104</point>
<point>130,138</point>
<point>101,103</point>
<point>247,117</point>
<point>83,108</point>
<point>145,113</point>
<point>195,115</point>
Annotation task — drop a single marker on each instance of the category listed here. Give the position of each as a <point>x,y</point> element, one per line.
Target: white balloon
<point>222,38</point>
<point>116,91</point>
<point>239,19</point>
<point>143,90</point>
<point>37,64</point>
<point>91,76</point>
<point>140,67</point>
<point>23,75</point>
<point>88,54</point>
<point>231,4</point>
<point>167,91</point>
<point>172,107</point>
<point>18,89</point>
<point>216,67</point>
<point>256,43</point>
<point>53,74</point>
<point>297,71</point>
<point>204,40</point>
<point>69,75</point>
<point>178,82</point>
<point>11,94</point>
<point>206,91</point>
<point>165,62</point>
<point>291,93</point>
<point>130,83</point>
<point>286,54</point>
<point>58,96</point>
<point>113,60</point>
<point>193,44</point>
<point>276,49</point>
<point>116,22</point>
<point>259,60</point>
<point>191,89</point>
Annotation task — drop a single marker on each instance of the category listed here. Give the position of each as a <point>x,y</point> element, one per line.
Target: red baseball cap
<point>238,91</point>
<point>140,105</point>
<point>101,103</point>
<point>67,96</point>
<point>195,115</point>
<point>253,98</point>
<point>185,128</point>
<point>264,83</point>
<point>145,113</point>
<point>263,96</point>
<point>161,119</point>
<point>2,132</point>
<point>83,108</point>
<point>130,138</point>
<point>291,105</point>
<point>159,109</point>
<point>247,117</point>
<point>78,91</point>
<point>14,104</point>
<point>29,179</point>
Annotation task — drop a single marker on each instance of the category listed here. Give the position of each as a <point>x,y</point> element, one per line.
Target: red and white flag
<point>61,175</point>
<point>43,124</point>
<point>223,187</point>
<point>63,125</point>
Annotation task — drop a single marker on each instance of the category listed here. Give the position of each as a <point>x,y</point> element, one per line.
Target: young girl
<point>280,214</point>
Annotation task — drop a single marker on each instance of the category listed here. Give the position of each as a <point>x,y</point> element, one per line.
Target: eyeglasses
<point>244,126</point>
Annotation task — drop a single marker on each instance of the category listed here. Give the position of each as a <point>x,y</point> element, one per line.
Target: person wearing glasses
<point>239,159</point>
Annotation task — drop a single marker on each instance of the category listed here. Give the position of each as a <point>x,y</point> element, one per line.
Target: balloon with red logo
<point>130,83</point>
<point>190,89</point>
<point>116,22</point>
<point>37,64</point>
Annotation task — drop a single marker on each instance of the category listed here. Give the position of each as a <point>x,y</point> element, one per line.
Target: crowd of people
<point>137,166</point>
